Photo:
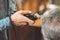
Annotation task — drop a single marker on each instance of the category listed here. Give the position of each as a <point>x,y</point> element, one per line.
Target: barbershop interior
<point>29,19</point>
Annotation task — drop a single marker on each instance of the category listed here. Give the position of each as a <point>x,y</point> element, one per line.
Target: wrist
<point>11,20</point>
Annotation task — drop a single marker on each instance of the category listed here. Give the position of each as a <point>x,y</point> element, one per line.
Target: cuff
<point>5,23</point>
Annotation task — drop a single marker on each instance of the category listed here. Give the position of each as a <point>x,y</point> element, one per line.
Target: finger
<point>23,23</point>
<point>30,22</point>
<point>25,19</point>
<point>24,12</point>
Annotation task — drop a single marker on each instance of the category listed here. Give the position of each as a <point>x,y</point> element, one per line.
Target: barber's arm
<point>17,19</point>
<point>4,23</point>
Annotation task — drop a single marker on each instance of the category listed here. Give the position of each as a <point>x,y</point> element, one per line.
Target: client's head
<point>51,25</point>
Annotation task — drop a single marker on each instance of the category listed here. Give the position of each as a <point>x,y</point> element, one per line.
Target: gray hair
<point>51,25</point>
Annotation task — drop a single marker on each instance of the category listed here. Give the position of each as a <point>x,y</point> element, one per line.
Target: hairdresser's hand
<point>18,19</point>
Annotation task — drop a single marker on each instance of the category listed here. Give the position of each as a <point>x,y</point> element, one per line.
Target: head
<point>51,25</point>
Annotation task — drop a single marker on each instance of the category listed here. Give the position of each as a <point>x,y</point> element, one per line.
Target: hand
<point>18,18</point>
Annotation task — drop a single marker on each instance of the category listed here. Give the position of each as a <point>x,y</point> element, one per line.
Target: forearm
<point>4,23</point>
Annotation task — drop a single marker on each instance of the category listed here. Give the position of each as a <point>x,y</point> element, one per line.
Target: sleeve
<point>12,5</point>
<point>5,23</point>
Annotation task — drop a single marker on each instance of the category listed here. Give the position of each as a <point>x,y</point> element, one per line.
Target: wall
<point>57,2</point>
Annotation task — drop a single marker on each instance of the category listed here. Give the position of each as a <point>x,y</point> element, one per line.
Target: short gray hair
<point>51,25</point>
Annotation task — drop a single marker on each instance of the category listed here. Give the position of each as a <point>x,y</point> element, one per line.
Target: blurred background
<point>26,33</point>
<point>57,2</point>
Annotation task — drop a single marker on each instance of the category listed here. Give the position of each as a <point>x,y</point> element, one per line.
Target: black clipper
<point>32,16</point>
<point>35,16</point>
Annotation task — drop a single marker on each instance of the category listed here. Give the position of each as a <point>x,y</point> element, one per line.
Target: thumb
<point>24,12</point>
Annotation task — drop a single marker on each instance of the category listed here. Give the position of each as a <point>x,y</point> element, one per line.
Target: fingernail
<point>29,11</point>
